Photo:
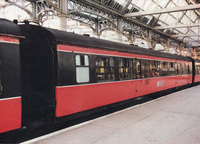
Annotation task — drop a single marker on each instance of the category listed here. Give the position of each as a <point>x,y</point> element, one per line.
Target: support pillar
<point>167,45</point>
<point>119,30</point>
<point>97,28</point>
<point>34,9</point>
<point>63,22</point>
<point>130,39</point>
<point>149,46</point>
<point>64,10</point>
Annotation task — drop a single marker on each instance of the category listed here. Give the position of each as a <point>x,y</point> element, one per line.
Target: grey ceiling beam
<point>177,26</point>
<point>166,10</point>
<point>185,35</point>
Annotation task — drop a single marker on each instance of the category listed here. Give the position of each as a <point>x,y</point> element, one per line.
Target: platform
<point>172,119</point>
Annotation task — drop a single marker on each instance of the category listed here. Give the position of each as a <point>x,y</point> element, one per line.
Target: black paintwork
<point>38,83</point>
<point>88,42</point>
<point>66,69</point>
<point>9,28</point>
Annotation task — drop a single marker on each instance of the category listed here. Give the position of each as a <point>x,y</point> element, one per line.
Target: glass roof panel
<point>142,5</point>
<point>170,5</point>
<point>182,2</point>
<point>121,2</point>
<point>168,19</point>
<point>137,2</point>
<point>147,4</point>
<point>172,22</point>
<point>185,20</point>
<point>163,3</point>
<point>195,29</point>
<point>163,17</point>
<point>191,15</point>
<point>183,30</point>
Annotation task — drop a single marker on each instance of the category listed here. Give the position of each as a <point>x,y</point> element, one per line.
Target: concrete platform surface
<point>172,119</point>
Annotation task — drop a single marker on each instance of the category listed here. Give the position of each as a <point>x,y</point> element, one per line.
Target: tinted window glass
<point>155,69</point>
<point>172,69</point>
<point>104,69</point>
<point>125,68</point>
<point>146,68</point>
<point>138,68</point>
<point>164,68</point>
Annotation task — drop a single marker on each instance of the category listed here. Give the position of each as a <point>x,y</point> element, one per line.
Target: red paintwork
<point>197,78</point>
<point>8,39</point>
<point>73,99</point>
<point>10,114</point>
<point>110,53</point>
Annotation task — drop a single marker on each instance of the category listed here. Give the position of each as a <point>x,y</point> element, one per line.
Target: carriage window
<point>180,68</point>
<point>125,68</point>
<point>155,69</point>
<point>146,68</point>
<point>197,69</point>
<point>82,68</point>
<point>164,68</point>
<point>172,68</point>
<point>138,68</point>
<point>176,69</point>
<point>190,65</point>
<point>104,69</point>
<point>184,68</point>
<point>0,79</point>
<point>187,69</point>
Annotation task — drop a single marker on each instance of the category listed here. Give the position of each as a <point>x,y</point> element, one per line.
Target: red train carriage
<point>10,85</point>
<point>85,73</point>
<point>117,76</point>
<point>69,73</point>
<point>65,75</point>
<point>93,73</point>
<point>196,71</point>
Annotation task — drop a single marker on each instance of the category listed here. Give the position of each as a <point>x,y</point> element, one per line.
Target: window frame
<point>146,70</point>
<point>136,67</point>
<point>82,65</point>
<point>165,73</point>
<point>156,68</point>
<point>172,73</point>
<point>100,69</point>
<point>125,68</point>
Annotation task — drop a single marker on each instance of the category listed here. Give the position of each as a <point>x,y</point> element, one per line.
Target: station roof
<point>178,18</point>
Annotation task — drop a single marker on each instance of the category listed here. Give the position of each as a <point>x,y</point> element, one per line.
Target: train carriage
<point>93,73</point>
<point>65,73</point>
<point>196,71</point>
<point>49,76</point>
<point>10,84</point>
